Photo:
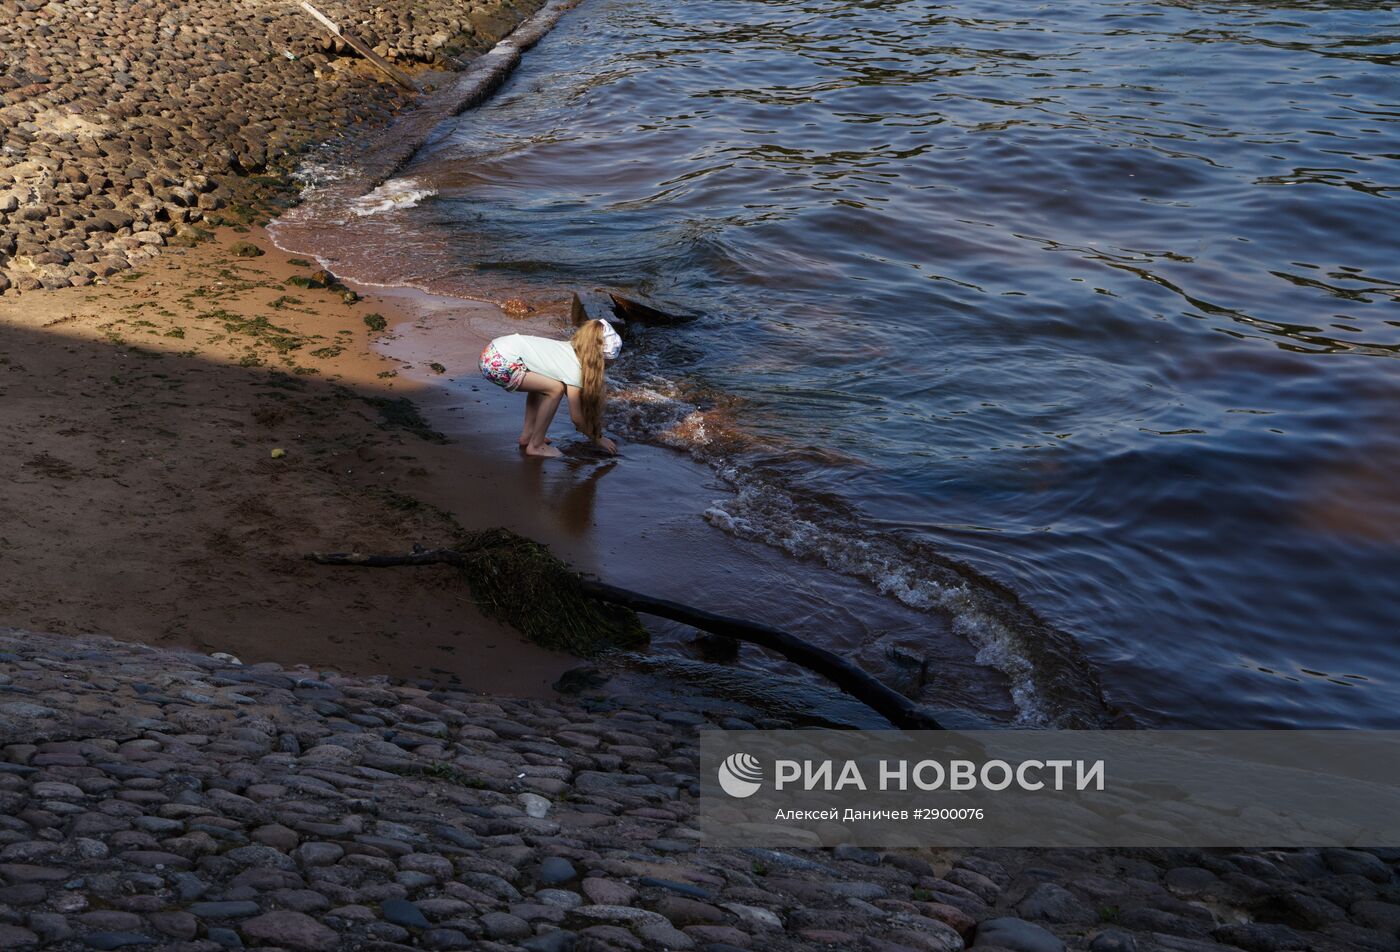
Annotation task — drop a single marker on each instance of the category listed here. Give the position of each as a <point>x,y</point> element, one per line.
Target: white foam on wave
<point>313,173</point>
<point>646,405</point>
<point>763,513</point>
<point>393,194</point>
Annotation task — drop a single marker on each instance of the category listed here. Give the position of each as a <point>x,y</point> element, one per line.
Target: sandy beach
<point>189,414</point>
<point>145,501</point>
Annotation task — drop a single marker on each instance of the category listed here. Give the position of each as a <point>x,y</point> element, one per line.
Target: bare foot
<point>525,441</point>
<point>544,450</point>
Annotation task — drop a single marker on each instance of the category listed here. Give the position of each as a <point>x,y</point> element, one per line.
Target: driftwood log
<point>642,313</point>
<point>869,690</point>
<point>380,63</point>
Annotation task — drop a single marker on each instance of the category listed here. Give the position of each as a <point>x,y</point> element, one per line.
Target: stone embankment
<point>170,800</point>
<point>125,123</point>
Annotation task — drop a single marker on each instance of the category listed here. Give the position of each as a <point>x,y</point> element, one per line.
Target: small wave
<point>661,417</point>
<point>395,193</point>
<point>1052,684</point>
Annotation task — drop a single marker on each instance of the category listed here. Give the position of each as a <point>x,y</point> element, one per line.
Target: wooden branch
<point>642,313</point>
<point>878,696</point>
<point>864,687</point>
<point>426,557</point>
<point>360,47</point>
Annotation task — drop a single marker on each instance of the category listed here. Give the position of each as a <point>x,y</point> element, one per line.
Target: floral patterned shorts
<point>503,373</point>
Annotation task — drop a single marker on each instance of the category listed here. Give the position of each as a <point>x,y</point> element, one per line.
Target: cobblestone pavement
<point>159,799</point>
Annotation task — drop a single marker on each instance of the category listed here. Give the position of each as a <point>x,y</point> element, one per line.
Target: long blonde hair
<point>588,347</point>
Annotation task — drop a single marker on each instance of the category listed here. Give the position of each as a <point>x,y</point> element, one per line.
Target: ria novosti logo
<point>740,775</point>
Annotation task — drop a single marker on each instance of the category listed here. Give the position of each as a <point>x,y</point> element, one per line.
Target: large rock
<point>401,912</point>
<point>291,930</point>
<point>1054,903</point>
<point>555,869</point>
<point>1357,863</point>
<point>502,925</point>
<point>1261,937</point>
<point>1017,935</point>
<point>1113,940</point>
<point>13,937</point>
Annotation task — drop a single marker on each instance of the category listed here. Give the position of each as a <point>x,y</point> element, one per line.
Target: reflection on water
<point>1098,299</point>
<point>573,502</point>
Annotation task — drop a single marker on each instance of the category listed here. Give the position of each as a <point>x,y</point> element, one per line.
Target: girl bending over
<point>547,371</point>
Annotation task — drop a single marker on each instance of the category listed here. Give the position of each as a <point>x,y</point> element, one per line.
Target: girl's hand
<point>608,445</point>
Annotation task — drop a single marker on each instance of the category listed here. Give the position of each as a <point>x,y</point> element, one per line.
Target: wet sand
<point>143,500</point>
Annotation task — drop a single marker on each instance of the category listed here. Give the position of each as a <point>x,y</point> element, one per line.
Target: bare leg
<point>532,407</point>
<point>546,393</point>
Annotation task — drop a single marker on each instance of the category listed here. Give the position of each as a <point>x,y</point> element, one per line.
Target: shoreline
<point>1036,676</point>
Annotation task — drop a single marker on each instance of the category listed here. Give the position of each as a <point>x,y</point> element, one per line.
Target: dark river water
<point>1076,323</point>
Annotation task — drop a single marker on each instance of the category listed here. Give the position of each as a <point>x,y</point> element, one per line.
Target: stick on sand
<point>878,696</point>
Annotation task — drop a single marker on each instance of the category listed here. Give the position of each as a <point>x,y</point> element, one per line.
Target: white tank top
<point>541,355</point>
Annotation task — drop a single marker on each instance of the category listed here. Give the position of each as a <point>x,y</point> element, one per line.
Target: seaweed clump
<point>402,413</point>
<point>518,581</point>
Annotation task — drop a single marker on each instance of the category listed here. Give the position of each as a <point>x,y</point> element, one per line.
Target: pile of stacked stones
<point>169,800</point>
<point>124,121</point>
